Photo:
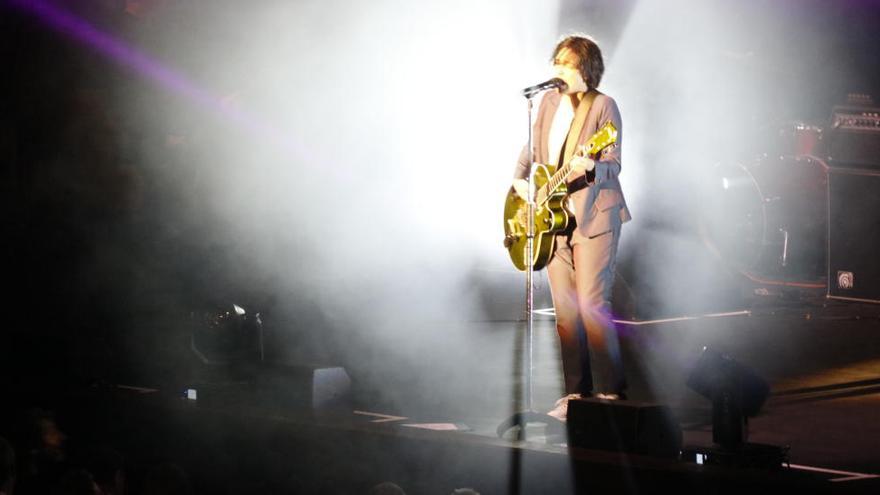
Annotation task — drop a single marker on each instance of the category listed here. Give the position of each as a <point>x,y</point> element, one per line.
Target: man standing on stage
<point>581,271</point>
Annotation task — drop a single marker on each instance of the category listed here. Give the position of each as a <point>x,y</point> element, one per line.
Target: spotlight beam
<point>166,78</point>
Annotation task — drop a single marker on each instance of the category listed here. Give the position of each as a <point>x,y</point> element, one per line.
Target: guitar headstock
<point>604,137</point>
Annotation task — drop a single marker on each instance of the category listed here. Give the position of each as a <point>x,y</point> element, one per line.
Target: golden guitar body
<point>551,218</point>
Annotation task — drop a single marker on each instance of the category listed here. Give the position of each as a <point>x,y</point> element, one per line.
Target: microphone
<point>544,86</point>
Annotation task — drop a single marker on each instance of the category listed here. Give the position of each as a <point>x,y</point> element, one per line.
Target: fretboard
<point>559,177</point>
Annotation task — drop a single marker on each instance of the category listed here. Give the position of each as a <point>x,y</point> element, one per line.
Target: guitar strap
<point>577,126</point>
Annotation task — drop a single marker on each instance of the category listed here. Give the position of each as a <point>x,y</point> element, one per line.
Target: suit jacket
<point>601,206</point>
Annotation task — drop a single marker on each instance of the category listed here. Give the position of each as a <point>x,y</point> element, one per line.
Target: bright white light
<point>725,184</point>
<point>456,121</point>
<point>411,112</point>
<point>411,120</point>
<point>678,78</point>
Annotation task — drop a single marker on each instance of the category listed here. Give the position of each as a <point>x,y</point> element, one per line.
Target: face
<point>565,67</point>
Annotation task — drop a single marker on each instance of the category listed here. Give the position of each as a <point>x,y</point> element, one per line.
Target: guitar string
<point>557,178</point>
<point>563,172</point>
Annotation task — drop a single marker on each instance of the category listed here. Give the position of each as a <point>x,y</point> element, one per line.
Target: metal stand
<point>529,415</point>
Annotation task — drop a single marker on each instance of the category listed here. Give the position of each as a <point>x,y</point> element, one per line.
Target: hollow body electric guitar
<point>552,215</point>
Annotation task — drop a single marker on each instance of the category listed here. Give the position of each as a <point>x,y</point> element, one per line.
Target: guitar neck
<point>606,136</point>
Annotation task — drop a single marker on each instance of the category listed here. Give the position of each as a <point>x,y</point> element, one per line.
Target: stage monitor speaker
<point>624,426</point>
<point>854,235</point>
<point>280,388</point>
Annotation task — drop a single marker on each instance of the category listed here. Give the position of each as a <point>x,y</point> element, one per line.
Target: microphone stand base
<point>519,420</point>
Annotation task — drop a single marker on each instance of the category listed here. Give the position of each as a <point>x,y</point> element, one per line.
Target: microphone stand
<point>522,418</point>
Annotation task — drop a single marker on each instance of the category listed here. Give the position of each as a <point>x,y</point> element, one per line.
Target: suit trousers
<point>581,275</point>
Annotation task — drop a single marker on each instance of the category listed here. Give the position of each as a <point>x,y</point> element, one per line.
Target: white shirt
<point>559,129</point>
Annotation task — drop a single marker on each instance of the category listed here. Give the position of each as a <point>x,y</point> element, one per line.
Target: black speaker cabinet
<point>854,235</point>
<point>279,388</point>
<point>624,426</point>
<point>859,148</point>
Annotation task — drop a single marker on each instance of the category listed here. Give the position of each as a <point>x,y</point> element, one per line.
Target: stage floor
<point>821,358</point>
<point>430,420</point>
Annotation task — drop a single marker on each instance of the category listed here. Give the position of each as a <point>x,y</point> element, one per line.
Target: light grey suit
<point>581,271</point>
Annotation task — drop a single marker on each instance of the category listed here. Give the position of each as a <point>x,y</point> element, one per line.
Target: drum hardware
<point>768,222</point>
<point>784,247</point>
<point>793,138</point>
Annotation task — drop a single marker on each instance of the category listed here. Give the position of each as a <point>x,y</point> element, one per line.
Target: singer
<point>581,271</point>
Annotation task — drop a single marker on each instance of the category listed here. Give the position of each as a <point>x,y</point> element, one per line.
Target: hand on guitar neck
<point>580,164</point>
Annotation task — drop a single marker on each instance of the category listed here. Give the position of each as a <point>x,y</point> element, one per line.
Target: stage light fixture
<point>737,393</point>
<point>226,335</point>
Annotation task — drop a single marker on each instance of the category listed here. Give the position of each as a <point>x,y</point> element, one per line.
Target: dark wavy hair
<point>590,56</point>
